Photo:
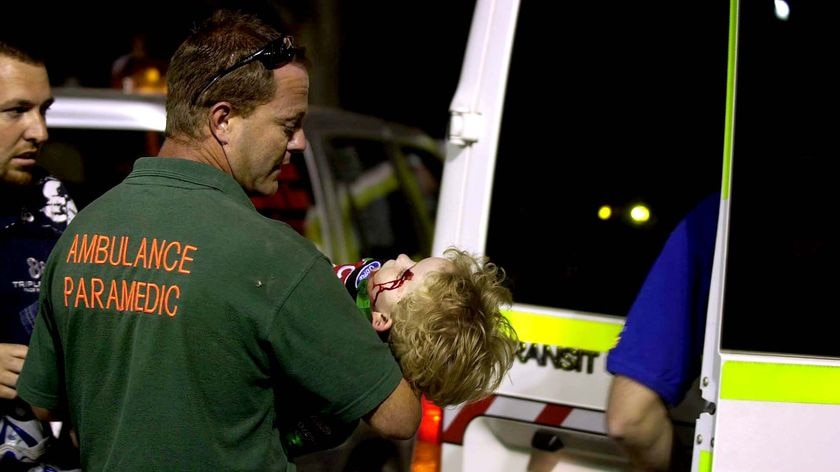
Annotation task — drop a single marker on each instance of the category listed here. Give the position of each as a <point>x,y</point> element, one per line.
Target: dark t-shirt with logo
<point>32,218</point>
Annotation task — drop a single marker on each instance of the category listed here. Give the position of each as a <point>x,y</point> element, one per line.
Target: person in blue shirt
<point>658,354</point>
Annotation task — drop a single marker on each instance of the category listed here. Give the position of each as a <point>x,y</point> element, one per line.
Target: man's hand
<point>11,362</point>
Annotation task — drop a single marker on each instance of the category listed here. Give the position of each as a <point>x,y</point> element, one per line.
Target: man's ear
<point>381,322</point>
<point>219,116</point>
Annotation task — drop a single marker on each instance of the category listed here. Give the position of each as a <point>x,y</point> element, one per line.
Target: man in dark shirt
<point>34,210</point>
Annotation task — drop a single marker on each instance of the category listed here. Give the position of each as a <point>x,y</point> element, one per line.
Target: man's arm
<point>11,362</point>
<point>638,421</point>
<point>398,416</point>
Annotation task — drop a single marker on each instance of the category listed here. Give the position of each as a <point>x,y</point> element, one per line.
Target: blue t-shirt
<point>662,340</point>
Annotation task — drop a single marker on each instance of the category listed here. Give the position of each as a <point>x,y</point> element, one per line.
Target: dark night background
<point>397,60</point>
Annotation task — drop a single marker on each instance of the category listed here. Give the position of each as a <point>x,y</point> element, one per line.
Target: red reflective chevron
<point>457,419</point>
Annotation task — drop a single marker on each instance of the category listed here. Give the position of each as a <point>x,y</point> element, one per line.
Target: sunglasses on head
<point>273,55</point>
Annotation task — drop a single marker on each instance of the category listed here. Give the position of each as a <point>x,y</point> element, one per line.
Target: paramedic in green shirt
<point>173,314</point>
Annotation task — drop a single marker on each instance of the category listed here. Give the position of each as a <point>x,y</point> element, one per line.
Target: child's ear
<point>381,322</point>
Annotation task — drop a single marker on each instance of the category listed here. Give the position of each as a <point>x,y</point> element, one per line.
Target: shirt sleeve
<point>329,350</point>
<point>662,340</point>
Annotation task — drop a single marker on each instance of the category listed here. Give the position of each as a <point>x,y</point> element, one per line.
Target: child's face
<point>394,274</point>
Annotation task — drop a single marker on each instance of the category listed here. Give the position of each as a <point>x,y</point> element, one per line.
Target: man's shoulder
<point>260,235</point>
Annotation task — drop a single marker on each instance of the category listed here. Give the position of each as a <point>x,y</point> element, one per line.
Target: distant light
<point>605,212</point>
<point>640,214</point>
<point>782,9</point>
<point>152,75</point>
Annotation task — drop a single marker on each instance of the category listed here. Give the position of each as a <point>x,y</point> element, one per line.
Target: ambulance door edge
<point>710,371</point>
<point>475,117</point>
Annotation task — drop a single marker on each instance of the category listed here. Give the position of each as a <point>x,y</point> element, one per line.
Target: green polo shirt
<point>185,322</point>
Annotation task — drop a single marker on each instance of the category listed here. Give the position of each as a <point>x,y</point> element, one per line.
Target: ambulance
<point>580,133</point>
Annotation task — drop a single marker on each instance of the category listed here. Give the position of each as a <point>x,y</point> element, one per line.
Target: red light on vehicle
<point>427,447</point>
<point>429,430</point>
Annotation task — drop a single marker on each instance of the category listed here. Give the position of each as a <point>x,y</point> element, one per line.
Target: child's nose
<point>403,259</point>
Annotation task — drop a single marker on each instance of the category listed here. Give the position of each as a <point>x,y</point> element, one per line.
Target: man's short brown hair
<point>222,40</point>
<point>26,53</point>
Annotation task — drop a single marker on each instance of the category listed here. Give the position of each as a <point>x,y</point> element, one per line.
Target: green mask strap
<point>363,300</point>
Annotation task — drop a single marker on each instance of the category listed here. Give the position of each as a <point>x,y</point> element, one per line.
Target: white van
<point>364,187</point>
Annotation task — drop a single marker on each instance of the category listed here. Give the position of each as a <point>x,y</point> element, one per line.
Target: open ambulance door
<point>771,371</point>
<point>571,201</point>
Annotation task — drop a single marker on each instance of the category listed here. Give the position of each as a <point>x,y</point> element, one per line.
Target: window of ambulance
<point>599,158</point>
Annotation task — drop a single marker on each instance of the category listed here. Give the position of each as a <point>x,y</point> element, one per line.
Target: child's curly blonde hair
<point>450,338</point>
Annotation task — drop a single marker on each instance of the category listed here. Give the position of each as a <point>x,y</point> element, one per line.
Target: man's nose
<point>298,141</point>
<point>36,128</point>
